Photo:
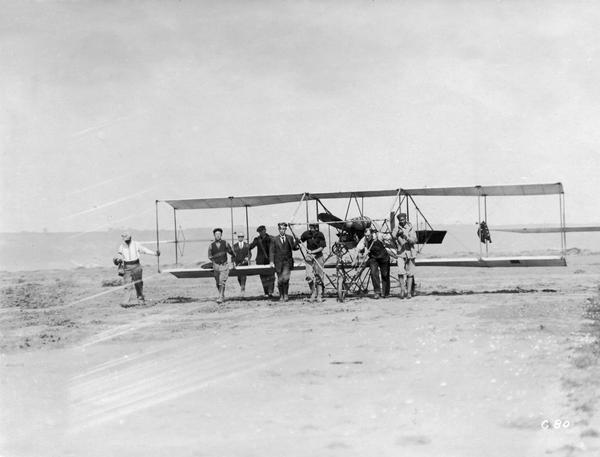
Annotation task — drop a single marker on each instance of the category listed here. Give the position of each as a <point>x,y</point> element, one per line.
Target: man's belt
<point>132,262</point>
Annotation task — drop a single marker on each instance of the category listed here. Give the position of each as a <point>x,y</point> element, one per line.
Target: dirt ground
<point>490,362</point>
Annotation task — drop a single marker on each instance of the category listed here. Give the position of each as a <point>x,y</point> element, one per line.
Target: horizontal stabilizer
<point>430,236</point>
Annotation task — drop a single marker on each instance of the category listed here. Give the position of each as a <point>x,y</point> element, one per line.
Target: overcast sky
<point>107,106</point>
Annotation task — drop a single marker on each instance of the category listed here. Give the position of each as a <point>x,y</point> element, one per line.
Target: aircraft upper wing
<point>235,202</point>
<point>473,191</point>
<point>490,191</point>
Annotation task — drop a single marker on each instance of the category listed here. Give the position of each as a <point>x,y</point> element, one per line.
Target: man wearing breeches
<point>406,238</point>
<point>129,254</point>
<point>217,253</point>
<point>315,243</point>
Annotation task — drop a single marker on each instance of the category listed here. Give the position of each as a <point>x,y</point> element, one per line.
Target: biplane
<point>343,272</point>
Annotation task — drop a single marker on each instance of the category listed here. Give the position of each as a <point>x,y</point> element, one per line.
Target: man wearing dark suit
<point>263,244</point>
<point>241,257</point>
<point>280,258</point>
<point>371,245</point>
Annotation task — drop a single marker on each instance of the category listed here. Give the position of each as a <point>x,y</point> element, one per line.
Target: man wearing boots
<point>217,253</point>
<point>263,244</point>
<point>281,259</point>
<point>129,253</point>
<point>241,258</point>
<point>406,238</point>
<point>315,243</point>
<point>372,246</point>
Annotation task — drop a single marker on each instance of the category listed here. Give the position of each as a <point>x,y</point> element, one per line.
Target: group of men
<point>276,252</point>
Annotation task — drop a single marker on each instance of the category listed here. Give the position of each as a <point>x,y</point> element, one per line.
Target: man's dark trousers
<point>268,281</point>
<point>380,266</point>
<point>283,277</point>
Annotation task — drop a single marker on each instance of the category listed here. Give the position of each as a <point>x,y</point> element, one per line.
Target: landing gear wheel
<point>339,250</point>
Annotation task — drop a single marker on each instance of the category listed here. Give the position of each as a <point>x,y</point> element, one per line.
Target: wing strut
<point>157,240</point>
<point>231,218</point>
<point>247,234</point>
<point>487,238</point>
<point>563,232</point>
<point>175,229</point>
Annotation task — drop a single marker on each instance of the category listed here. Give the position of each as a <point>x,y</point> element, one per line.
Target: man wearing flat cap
<point>129,255</point>
<point>315,262</point>
<point>406,238</point>
<point>217,253</point>
<point>241,257</point>
<point>280,258</point>
<point>262,243</point>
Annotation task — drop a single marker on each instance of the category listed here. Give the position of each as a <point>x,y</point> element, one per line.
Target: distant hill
<point>39,251</point>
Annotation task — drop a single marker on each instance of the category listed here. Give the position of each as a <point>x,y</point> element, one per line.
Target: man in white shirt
<point>129,253</point>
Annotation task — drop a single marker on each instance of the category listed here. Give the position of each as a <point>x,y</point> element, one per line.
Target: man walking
<point>379,262</point>
<point>241,258</point>
<point>280,258</point>
<point>129,254</point>
<point>217,253</point>
<point>406,238</point>
<point>263,244</point>
<point>315,261</point>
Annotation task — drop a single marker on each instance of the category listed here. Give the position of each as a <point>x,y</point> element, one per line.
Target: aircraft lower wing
<point>551,229</point>
<point>251,270</point>
<point>489,262</point>
<point>483,262</point>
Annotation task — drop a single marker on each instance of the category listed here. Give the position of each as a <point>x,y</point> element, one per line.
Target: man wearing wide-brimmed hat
<point>129,254</point>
